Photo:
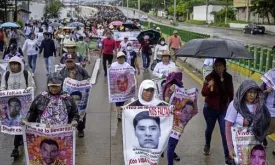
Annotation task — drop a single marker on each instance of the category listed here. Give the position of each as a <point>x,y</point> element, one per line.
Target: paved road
<point>265,40</point>
<point>102,144</point>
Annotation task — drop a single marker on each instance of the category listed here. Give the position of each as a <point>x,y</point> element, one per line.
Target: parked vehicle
<point>254,29</point>
<point>145,17</point>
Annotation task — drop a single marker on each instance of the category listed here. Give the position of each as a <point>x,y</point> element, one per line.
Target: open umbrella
<point>10,25</point>
<point>55,24</point>
<point>75,24</point>
<point>154,36</point>
<point>214,48</point>
<point>116,23</point>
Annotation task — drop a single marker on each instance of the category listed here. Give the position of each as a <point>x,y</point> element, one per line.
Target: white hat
<point>120,54</point>
<point>158,28</point>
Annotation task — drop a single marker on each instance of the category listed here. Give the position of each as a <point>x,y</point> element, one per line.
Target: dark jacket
<point>40,103</point>
<point>81,73</point>
<point>49,48</point>
<point>222,94</point>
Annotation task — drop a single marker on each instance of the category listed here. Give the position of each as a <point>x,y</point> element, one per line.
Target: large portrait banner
<point>14,106</point>
<point>146,131</point>
<point>247,149</point>
<point>121,84</point>
<point>185,103</point>
<point>80,91</point>
<point>54,145</point>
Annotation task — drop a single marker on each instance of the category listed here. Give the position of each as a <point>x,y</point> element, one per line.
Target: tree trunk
<point>267,16</point>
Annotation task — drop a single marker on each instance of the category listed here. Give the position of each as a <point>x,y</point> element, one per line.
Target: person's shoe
<point>119,116</point>
<point>47,74</point>
<point>176,157</point>
<point>15,153</point>
<point>229,161</point>
<point>80,134</point>
<point>162,155</point>
<point>265,143</point>
<point>206,150</point>
<point>273,152</point>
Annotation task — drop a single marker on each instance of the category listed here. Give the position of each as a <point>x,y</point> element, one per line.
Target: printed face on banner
<point>257,155</point>
<point>49,150</point>
<point>122,84</point>
<point>147,130</point>
<point>159,83</point>
<point>14,106</point>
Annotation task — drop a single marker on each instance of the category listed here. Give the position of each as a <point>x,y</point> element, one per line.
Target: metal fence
<point>264,58</point>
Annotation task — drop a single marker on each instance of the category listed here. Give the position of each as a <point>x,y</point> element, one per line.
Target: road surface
<point>264,40</point>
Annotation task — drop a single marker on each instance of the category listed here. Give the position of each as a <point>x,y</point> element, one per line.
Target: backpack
<point>26,74</point>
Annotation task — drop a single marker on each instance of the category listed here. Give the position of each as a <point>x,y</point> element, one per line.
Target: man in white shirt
<point>124,43</point>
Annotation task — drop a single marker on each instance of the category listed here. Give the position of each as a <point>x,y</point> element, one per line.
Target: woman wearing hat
<point>70,49</point>
<point>120,63</point>
<point>162,68</point>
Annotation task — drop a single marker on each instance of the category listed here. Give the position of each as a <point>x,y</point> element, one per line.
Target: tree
<point>264,8</point>
<point>52,9</point>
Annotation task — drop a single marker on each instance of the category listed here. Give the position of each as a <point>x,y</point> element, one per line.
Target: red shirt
<point>109,45</point>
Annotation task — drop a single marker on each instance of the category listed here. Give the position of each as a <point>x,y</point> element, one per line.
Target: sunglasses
<point>149,90</point>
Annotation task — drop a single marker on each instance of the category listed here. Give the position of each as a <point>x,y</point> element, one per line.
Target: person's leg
<point>148,61</point>
<point>30,61</point>
<point>172,143</point>
<point>118,110</point>
<point>104,60</point>
<point>144,60</point>
<point>210,117</point>
<point>46,59</point>
<point>81,127</point>
<point>51,64</point>
<point>110,59</point>
<point>222,132</point>
<point>18,141</point>
<point>34,57</point>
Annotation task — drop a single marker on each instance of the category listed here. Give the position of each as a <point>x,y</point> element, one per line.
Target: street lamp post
<point>175,7</point>
<point>127,7</point>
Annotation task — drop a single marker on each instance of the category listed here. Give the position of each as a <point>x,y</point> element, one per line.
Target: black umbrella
<point>153,35</point>
<point>214,48</point>
<point>130,26</point>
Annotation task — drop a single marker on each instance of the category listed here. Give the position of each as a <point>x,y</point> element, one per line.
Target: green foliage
<point>219,24</point>
<point>184,6</point>
<point>52,10</point>
<point>264,8</point>
<point>220,15</point>
<point>21,23</point>
<point>236,21</point>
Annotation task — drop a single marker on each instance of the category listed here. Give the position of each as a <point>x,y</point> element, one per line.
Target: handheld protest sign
<point>14,106</point>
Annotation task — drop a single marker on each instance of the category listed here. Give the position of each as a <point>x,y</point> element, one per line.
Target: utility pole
<point>127,7</point>
<point>15,11</point>
<point>138,9</point>
<point>175,7</point>
<point>247,11</point>
<point>207,4</point>
<point>226,12</point>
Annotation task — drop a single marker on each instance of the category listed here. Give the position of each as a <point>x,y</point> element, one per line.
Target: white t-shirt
<point>234,117</point>
<point>123,45</point>
<point>30,47</point>
<point>100,32</point>
<point>162,69</point>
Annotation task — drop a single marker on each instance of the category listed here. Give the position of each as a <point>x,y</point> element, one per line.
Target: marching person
<point>30,48</point>
<point>108,49</point>
<point>162,68</point>
<point>13,52</point>
<point>159,49</point>
<point>218,92</point>
<point>7,49</point>
<point>49,50</point>
<point>123,44</point>
<point>174,44</point>
<point>82,49</point>
<point>76,72</point>
<point>146,52</point>
<point>131,57</point>
<point>16,78</point>
<point>248,109</point>
<point>53,107</point>
<point>147,95</point>
<point>120,63</point>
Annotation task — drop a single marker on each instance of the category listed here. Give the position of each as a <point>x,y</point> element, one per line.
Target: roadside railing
<point>264,58</point>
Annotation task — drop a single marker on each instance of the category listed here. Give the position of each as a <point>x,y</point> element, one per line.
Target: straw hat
<point>120,54</point>
<point>166,53</point>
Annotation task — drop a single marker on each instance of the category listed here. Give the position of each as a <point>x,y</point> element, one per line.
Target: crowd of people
<point>251,106</point>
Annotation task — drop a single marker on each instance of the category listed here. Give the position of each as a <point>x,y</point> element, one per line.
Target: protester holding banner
<point>247,110</point>
<point>218,92</point>
<point>70,49</point>
<point>131,57</point>
<point>53,107</point>
<point>122,80</point>
<point>16,78</point>
<point>268,87</point>
<point>162,68</point>
<point>76,72</point>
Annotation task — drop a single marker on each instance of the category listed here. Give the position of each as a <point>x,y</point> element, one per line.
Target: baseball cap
<point>158,28</point>
<point>148,85</point>
<point>70,56</point>
<point>120,54</point>
<point>175,32</point>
